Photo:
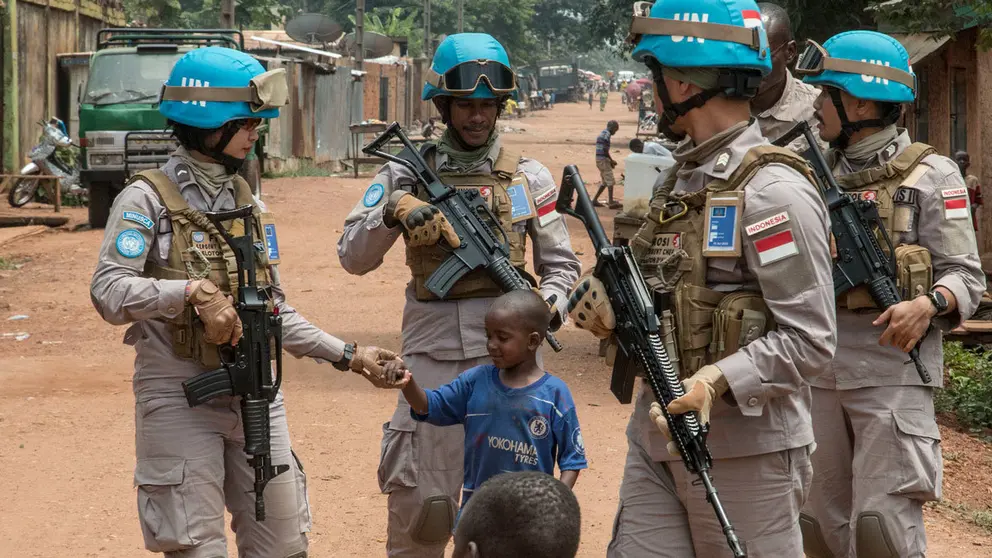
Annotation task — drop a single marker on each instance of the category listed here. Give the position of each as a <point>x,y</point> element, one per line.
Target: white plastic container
<point>640,173</point>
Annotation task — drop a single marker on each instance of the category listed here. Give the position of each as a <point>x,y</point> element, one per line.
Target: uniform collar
<point>883,155</point>
<point>721,163</point>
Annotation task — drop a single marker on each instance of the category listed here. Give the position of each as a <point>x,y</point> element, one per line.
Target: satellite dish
<point>374,45</point>
<point>313,29</point>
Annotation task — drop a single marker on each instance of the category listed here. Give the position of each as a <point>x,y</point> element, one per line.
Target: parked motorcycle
<point>49,157</point>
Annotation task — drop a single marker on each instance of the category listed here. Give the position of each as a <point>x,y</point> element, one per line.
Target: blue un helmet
<point>725,35</point>
<point>867,65</point>
<point>216,87</point>
<point>470,66</point>
<point>211,86</point>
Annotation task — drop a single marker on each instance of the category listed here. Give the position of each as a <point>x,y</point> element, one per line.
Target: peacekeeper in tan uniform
<point>737,249</point>
<point>422,466</point>
<point>163,269</point>
<point>782,100</point>
<point>878,447</point>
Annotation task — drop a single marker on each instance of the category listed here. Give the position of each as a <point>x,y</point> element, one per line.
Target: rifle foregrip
<point>255,416</point>
<point>204,387</point>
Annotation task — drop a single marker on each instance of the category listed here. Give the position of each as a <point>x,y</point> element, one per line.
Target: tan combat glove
<point>701,390</point>
<point>590,307</point>
<point>424,223</point>
<point>366,363</point>
<point>221,323</point>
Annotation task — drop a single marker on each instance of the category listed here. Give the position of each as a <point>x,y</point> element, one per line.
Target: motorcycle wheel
<point>23,191</point>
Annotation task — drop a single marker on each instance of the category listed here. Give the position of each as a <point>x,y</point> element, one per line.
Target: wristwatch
<point>938,301</point>
<point>344,364</point>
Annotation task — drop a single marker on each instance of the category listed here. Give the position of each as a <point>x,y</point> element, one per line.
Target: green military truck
<point>120,129</point>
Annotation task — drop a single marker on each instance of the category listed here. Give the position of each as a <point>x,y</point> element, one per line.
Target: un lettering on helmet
<point>868,79</point>
<point>695,18</point>
<point>189,82</point>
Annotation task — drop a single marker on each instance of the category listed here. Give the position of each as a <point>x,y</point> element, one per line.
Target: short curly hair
<point>526,513</point>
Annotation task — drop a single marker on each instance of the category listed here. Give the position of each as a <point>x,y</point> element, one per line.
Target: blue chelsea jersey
<point>508,429</point>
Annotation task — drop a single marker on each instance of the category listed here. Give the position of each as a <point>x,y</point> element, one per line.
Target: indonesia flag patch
<point>776,247</point>
<point>547,214</point>
<point>752,18</point>
<point>956,208</point>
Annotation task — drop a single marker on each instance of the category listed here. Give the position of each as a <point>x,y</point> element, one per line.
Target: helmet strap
<point>232,164</point>
<point>849,128</point>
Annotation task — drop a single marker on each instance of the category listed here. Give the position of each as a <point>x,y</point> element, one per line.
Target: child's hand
<point>395,374</point>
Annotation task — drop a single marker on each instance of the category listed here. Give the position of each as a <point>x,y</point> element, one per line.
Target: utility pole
<point>461,18</point>
<point>359,33</point>
<point>227,14</point>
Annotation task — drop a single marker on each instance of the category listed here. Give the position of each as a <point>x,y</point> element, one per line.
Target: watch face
<point>938,300</point>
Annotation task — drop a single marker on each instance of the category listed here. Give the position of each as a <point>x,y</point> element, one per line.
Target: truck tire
<point>101,198</point>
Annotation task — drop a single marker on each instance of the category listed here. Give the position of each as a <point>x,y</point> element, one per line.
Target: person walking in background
<point>606,164</point>
<point>971,181</point>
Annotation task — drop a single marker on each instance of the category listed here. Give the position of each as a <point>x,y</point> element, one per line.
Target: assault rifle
<point>484,242</point>
<point>246,369</point>
<point>638,334</point>
<point>854,222</point>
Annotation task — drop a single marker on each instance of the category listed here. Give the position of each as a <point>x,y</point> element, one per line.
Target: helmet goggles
<point>265,91</point>
<point>815,60</point>
<point>464,78</point>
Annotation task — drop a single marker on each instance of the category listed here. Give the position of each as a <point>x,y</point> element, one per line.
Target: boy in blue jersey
<point>517,417</point>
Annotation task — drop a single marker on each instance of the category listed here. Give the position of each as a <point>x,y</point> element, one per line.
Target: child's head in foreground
<point>515,327</point>
<point>515,515</point>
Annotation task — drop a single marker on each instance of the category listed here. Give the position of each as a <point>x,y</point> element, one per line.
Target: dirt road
<point>66,408</point>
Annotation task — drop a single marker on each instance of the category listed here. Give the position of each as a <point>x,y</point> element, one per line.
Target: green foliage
<point>190,14</point>
<point>394,23</point>
<point>967,390</point>
<point>941,17</point>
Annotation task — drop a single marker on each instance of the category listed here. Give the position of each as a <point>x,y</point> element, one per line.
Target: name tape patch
<point>953,192</point>
<point>768,223</point>
<point>544,196</point>
<point>139,218</point>
<point>905,196</point>
<point>776,247</point>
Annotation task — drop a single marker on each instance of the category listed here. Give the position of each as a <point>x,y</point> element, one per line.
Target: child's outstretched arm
<point>569,478</point>
<point>399,377</point>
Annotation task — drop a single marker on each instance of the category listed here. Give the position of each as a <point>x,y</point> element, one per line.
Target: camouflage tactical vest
<point>897,207</point>
<point>709,324</point>
<point>424,260</point>
<point>198,251</point>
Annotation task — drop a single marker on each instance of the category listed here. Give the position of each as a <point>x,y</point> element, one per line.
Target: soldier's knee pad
<point>436,520</point>
<point>872,538</point>
<point>814,543</point>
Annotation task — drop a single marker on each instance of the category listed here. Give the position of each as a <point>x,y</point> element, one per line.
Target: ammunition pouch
<point>914,277</point>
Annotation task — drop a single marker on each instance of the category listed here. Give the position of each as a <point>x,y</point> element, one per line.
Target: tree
<point>559,26</point>
<point>188,14</point>
<point>940,17</point>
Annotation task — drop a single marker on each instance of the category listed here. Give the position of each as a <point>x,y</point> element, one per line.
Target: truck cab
<point>120,128</point>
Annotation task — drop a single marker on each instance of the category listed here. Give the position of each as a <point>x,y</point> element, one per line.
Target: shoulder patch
<point>722,161</point>
<point>905,196</point>
<point>545,196</point>
<point>183,174</point>
<point>577,442</point>
<point>889,152</point>
<point>130,243</point>
<point>373,195</point>
<point>954,192</point>
<point>766,224</point>
<point>138,218</point>
<point>776,247</point>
